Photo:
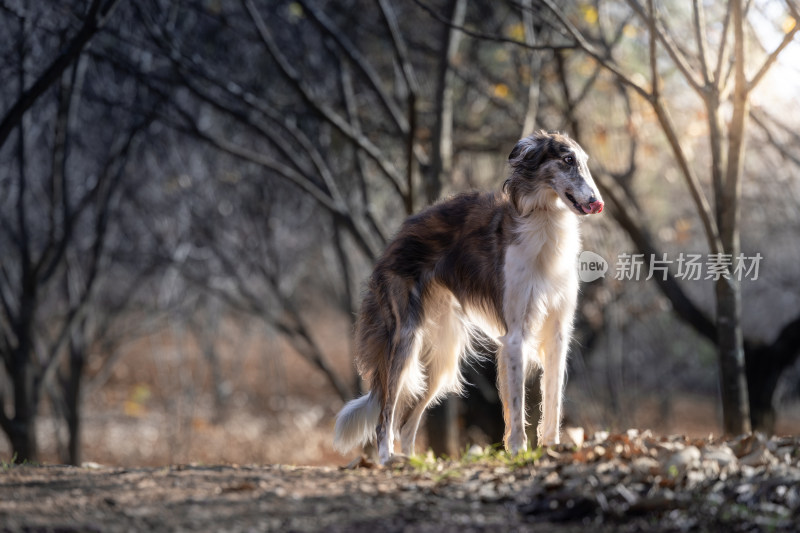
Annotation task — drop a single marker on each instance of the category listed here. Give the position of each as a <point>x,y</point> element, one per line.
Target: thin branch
<point>785,152</point>
<point>655,80</point>
<point>387,168</point>
<point>489,36</point>
<point>787,39</point>
<point>291,325</point>
<point>760,114</point>
<point>95,18</point>
<point>329,185</point>
<point>412,86</point>
<point>361,168</point>
<point>609,49</point>
<point>289,174</point>
<point>587,47</point>
<point>442,138</point>
<point>699,20</point>
<point>265,161</point>
<point>535,65</point>
<point>328,193</point>
<point>668,42</point>
<point>358,59</point>
<point>722,53</point>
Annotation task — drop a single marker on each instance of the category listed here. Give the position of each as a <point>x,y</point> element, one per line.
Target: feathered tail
<point>356,422</point>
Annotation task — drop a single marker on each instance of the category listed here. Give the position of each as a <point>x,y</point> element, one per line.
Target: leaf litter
<point>630,481</point>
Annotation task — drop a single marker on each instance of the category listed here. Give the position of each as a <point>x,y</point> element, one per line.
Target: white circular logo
<point>591,266</point>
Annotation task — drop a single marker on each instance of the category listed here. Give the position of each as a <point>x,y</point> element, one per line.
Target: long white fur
<point>355,423</point>
<point>539,300</point>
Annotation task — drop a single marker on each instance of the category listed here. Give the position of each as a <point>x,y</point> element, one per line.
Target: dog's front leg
<point>555,344</point>
<point>511,380</point>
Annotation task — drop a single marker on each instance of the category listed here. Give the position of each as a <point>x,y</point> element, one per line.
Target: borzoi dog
<point>504,264</point>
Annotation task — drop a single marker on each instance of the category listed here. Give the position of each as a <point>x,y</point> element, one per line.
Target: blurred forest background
<point>192,194</point>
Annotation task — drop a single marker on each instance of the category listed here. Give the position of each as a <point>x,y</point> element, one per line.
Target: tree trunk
<point>24,380</point>
<point>23,425</point>
<point>442,420</point>
<point>23,439</point>
<point>442,426</point>
<point>442,142</point>
<point>763,373</point>
<point>72,395</point>
<point>733,383</point>
<point>765,365</point>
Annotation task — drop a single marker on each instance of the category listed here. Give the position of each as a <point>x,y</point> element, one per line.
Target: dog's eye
<point>568,159</point>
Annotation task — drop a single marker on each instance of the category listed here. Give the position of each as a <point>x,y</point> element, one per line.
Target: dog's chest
<point>543,254</point>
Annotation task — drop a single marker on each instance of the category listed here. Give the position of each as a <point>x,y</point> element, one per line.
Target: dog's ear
<point>520,152</point>
<point>514,155</point>
<point>529,150</point>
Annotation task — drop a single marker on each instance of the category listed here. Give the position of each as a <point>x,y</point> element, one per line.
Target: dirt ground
<point>157,408</point>
<point>620,482</point>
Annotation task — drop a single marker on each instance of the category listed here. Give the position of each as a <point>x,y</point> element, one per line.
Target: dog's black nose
<point>592,199</point>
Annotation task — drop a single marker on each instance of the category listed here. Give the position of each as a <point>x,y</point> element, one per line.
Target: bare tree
<point>58,208</point>
<point>711,80</point>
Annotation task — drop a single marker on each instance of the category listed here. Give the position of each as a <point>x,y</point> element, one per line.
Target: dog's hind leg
<point>403,354</point>
<point>445,342</point>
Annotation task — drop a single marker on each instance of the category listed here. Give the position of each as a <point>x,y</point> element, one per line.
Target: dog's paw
<point>516,444</point>
<point>397,460</point>
<point>549,439</point>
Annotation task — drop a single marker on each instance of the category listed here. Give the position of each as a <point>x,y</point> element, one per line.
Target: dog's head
<point>547,167</point>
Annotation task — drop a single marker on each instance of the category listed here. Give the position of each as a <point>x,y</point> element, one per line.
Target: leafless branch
<point>787,153</point>
<point>358,59</point>
<point>699,20</point>
<point>488,36</point>
<point>96,16</point>
<point>665,37</point>
<point>770,60</point>
<point>361,172</point>
<point>412,86</point>
<point>590,49</point>
<point>289,323</point>
<point>442,139</point>
<point>655,79</point>
<point>534,63</point>
<point>387,168</point>
<point>722,52</point>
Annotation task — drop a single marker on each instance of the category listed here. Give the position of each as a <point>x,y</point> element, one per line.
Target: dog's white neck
<point>545,246</point>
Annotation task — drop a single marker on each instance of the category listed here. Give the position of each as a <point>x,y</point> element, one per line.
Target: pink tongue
<point>586,210</point>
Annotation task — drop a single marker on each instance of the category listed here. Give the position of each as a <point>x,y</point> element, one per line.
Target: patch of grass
<point>526,457</point>
<point>494,454</point>
<point>425,462</point>
<point>8,465</point>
